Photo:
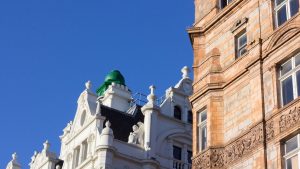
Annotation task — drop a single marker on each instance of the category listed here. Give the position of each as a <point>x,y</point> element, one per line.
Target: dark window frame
<point>177,112</point>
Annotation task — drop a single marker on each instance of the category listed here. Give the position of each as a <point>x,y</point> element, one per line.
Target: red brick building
<point>246,109</point>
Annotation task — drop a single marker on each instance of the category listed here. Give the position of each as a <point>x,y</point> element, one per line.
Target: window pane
<point>242,51</point>
<point>189,157</point>
<point>242,40</point>
<point>203,116</point>
<point>298,82</point>
<point>190,117</point>
<point>203,137</point>
<point>297,60</point>
<point>281,15</point>
<point>223,3</point>
<point>291,144</point>
<point>287,90</point>
<point>76,157</point>
<point>292,163</point>
<point>177,112</point>
<point>176,153</point>
<point>84,151</point>
<point>294,5</point>
<point>286,67</point>
<point>278,2</point>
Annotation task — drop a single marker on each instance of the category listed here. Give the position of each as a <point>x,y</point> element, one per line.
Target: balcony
<point>177,164</point>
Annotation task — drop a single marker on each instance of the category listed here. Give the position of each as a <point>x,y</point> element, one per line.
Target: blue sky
<point>50,48</point>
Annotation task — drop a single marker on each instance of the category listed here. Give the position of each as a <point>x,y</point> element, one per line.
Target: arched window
<point>177,112</point>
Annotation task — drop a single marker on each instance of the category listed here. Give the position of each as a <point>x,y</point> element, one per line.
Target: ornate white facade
<point>113,131</point>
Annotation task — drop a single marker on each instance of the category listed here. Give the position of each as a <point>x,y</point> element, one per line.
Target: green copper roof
<point>114,76</point>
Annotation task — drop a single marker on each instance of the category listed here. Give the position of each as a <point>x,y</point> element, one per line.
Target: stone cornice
<point>220,15</point>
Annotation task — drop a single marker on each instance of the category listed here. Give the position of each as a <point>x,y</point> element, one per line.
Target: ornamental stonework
<point>289,120</point>
<point>224,156</point>
<point>270,130</point>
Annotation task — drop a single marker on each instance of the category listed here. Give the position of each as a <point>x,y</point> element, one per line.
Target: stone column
<point>105,149</point>
<point>150,111</point>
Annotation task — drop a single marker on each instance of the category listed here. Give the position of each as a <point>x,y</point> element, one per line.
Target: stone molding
<point>223,156</point>
<point>283,35</point>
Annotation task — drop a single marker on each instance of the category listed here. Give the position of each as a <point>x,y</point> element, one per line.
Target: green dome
<point>114,76</point>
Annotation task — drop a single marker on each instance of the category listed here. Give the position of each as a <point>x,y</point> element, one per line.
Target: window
<point>202,130</point>
<point>292,153</point>
<point>76,157</point>
<point>241,44</point>
<point>84,150</point>
<point>181,158</point>
<point>224,3</point>
<point>176,153</point>
<point>290,79</point>
<point>190,117</point>
<point>177,112</point>
<point>189,156</point>
<point>285,9</point>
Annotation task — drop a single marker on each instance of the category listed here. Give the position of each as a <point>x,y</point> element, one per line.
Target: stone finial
<point>107,130</point>
<point>185,72</point>
<point>46,145</point>
<point>14,156</point>
<point>14,164</point>
<point>152,88</point>
<point>98,108</point>
<point>33,157</point>
<point>107,135</point>
<point>151,97</point>
<point>88,85</point>
<point>107,124</point>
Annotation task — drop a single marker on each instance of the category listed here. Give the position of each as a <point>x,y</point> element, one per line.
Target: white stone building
<point>112,130</point>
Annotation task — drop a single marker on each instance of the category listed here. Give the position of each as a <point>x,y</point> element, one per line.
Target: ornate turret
<point>114,76</point>
<point>114,93</point>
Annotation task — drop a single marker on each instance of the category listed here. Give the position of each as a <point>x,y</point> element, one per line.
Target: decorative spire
<point>185,72</point>
<point>88,85</point>
<point>151,97</point>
